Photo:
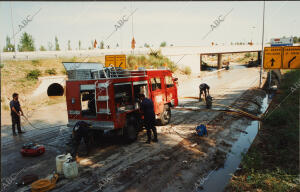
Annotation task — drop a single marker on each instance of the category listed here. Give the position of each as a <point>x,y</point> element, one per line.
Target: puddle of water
<point>218,180</point>
<point>237,66</point>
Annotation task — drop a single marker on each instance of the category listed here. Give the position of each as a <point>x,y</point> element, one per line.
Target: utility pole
<point>262,47</point>
<point>12,25</point>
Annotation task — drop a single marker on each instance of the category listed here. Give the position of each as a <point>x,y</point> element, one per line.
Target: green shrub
<point>74,59</point>
<point>154,59</point>
<point>187,70</point>
<point>163,44</point>
<point>156,54</point>
<point>35,62</point>
<point>33,74</point>
<point>64,71</point>
<point>247,55</point>
<point>51,71</point>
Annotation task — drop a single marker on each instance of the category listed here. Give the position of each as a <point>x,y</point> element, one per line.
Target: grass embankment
<point>152,61</point>
<point>272,162</point>
<point>22,76</point>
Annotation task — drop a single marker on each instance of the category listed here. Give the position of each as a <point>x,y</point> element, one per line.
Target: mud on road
<point>177,162</point>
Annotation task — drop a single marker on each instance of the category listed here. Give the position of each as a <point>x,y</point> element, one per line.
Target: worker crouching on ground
<point>80,130</point>
<point>147,109</point>
<point>204,89</point>
<point>16,112</point>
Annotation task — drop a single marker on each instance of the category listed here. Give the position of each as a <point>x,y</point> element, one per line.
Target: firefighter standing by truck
<point>16,113</point>
<point>147,108</point>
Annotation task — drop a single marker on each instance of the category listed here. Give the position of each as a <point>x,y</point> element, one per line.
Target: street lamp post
<point>262,47</point>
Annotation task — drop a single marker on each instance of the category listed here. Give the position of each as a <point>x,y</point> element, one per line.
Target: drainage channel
<point>217,180</point>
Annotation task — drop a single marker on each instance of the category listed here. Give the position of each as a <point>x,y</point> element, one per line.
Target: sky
<point>183,23</point>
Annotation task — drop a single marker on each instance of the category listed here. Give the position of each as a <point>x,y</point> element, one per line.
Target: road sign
<point>275,42</point>
<point>291,57</point>
<point>109,60</point>
<point>115,60</point>
<point>121,61</point>
<point>272,57</point>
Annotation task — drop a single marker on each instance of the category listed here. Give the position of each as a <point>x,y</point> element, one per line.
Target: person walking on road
<point>16,112</point>
<point>204,88</point>
<point>147,108</point>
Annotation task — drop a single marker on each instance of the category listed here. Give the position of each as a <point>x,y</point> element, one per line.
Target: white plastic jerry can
<point>70,168</point>
<point>60,159</point>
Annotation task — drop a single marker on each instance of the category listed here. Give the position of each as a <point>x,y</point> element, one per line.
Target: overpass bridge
<point>193,55</point>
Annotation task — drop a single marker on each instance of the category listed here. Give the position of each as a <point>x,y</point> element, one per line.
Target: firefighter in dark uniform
<point>16,112</point>
<point>204,88</point>
<point>80,130</point>
<point>147,108</point>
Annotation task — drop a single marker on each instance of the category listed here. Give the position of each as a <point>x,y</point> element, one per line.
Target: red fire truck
<point>108,97</point>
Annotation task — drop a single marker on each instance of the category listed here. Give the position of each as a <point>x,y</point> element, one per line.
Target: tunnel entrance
<point>55,89</point>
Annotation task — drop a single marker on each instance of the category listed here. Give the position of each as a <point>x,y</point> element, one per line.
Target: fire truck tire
<point>165,116</point>
<point>131,130</point>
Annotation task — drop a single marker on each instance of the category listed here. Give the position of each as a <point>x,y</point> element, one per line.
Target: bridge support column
<point>219,60</point>
<point>200,62</point>
<point>259,57</point>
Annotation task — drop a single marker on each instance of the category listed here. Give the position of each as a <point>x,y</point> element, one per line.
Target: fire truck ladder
<point>104,97</point>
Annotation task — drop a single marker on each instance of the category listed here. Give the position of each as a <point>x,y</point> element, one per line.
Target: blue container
<point>201,130</point>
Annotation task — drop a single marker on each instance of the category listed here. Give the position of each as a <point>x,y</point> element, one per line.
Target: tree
<point>8,47</point>
<point>42,48</point>
<point>69,45</point>
<point>298,39</point>
<point>26,43</point>
<point>295,39</point>
<point>146,45</point>
<point>56,44</point>
<point>163,44</point>
<point>101,45</point>
<point>79,44</point>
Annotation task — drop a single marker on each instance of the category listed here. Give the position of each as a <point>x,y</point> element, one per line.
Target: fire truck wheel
<point>131,130</point>
<point>165,116</point>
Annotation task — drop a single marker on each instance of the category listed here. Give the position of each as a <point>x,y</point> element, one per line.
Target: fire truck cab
<point>108,97</point>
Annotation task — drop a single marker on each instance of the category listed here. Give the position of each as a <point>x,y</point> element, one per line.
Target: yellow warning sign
<point>115,61</point>
<point>291,57</point>
<point>121,61</point>
<point>272,57</point>
<point>109,60</point>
